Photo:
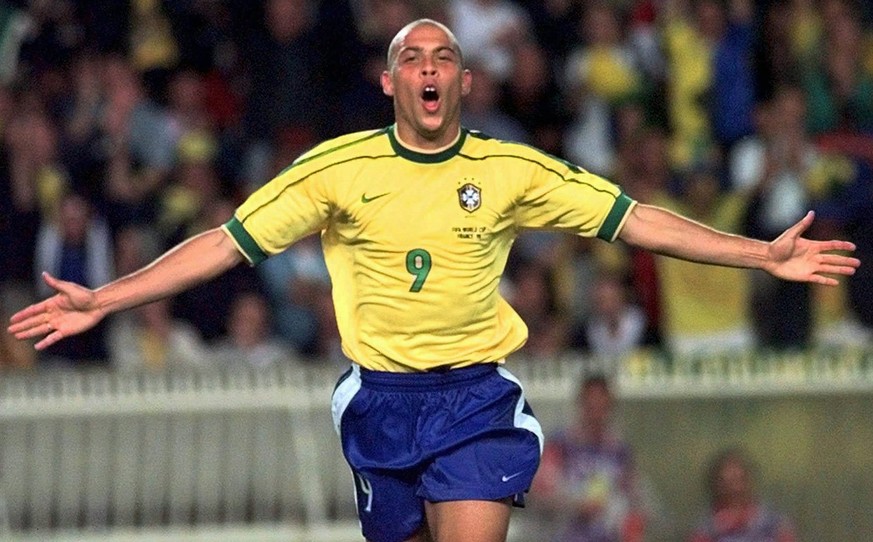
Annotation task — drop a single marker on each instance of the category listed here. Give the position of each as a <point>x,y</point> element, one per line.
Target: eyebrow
<point>419,49</point>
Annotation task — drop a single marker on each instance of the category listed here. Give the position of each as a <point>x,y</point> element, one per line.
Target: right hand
<point>72,310</point>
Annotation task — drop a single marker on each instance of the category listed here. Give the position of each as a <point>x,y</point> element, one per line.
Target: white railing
<point>180,454</point>
<point>105,450</point>
<point>739,374</point>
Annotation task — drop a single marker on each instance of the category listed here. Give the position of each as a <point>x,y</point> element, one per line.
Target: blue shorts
<point>463,434</point>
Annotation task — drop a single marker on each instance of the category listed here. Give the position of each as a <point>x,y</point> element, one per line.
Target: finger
<point>843,261</point>
<point>837,270</point>
<point>802,225</point>
<point>20,329</point>
<point>35,310</point>
<point>824,280</point>
<point>826,246</point>
<point>32,330</point>
<point>57,284</point>
<point>49,279</point>
<point>49,340</point>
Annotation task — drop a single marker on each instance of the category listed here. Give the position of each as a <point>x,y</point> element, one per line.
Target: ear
<point>466,82</point>
<point>387,84</point>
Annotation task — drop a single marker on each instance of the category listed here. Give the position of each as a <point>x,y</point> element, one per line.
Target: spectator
<point>860,227</point>
<point>19,26</point>
<point>645,170</point>
<point>207,305</point>
<point>105,24</point>
<point>138,145</point>
<point>775,167</point>
<point>644,38</point>
<point>187,107</point>
<point>532,96</point>
<point>192,191</point>
<point>35,171</point>
<point>294,282</point>
<point>207,34</point>
<point>805,27</point>
<point>76,245</point>
<point>779,46</point>
<point>587,478</point>
<point>554,24</point>
<point>152,44</point>
<point>687,53</point>
<point>84,147</point>
<point>250,340</point>
<point>50,34</point>
<point>599,75</point>
<point>733,81</point>
<point>709,75</point>
<point>285,85</point>
<point>149,338</point>
<point>31,181</point>
<point>575,268</point>
<point>848,178</point>
<point>482,110</point>
<point>488,30</point>
<point>616,326</point>
<point>19,219</point>
<point>698,316</point>
<point>533,295</point>
<point>363,103</point>
<point>839,85</point>
<point>736,512</point>
<point>135,246</point>
<point>203,33</point>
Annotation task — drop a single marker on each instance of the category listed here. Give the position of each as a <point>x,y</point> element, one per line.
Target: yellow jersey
<point>416,243</point>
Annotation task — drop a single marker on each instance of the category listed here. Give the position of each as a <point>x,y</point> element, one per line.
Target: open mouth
<point>431,98</point>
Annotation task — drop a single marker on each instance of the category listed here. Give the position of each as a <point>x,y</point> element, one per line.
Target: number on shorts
<point>418,264</point>
<point>366,489</point>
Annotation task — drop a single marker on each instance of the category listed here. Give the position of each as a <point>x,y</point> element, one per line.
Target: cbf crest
<point>470,197</point>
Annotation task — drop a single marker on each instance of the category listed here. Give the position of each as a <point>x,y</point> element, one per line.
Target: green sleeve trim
<point>245,242</point>
<point>615,218</point>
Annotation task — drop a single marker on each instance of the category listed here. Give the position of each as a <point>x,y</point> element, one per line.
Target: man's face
<point>426,80</point>
<point>733,482</point>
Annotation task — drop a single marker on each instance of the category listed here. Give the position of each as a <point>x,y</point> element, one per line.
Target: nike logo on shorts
<point>506,478</point>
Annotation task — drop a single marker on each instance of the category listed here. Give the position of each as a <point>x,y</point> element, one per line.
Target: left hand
<point>795,258</point>
<point>73,309</point>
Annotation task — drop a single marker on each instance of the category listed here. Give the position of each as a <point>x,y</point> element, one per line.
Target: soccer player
<point>416,221</point>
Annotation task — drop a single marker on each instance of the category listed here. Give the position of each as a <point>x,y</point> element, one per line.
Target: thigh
<point>375,430</point>
<point>470,521</point>
<point>388,507</point>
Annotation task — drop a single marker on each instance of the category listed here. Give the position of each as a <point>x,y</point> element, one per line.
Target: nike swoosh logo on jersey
<point>506,478</point>
<point>365,199</point>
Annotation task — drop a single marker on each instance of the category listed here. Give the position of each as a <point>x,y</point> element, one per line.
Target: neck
<point>417,143</point>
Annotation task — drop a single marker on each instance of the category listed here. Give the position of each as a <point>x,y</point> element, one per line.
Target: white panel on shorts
<point>343,395</point>
<point>523,420</point>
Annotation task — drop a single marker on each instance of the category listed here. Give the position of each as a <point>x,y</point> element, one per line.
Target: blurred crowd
<point>590,488</point>
<point>127,126</point>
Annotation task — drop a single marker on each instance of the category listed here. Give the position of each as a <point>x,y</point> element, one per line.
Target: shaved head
<point>394,47</point>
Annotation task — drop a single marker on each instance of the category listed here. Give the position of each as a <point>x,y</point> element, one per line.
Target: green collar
<point>425,157</point>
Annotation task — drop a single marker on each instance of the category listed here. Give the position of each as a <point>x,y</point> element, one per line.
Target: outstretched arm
<point>789,256</point>
<point>74,308</point>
